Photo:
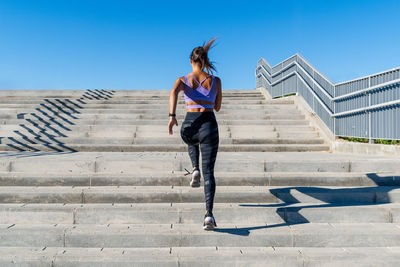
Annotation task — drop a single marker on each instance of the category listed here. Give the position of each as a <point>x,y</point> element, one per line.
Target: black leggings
<point>201,129</point>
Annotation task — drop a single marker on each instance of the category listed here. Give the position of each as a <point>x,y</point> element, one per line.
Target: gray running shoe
<point>209,222</point>
<point>195,182</point>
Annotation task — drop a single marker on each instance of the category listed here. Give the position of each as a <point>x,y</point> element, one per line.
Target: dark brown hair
<point>199,55</point>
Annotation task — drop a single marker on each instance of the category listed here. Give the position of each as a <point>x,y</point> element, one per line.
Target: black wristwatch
<point>172,114</point>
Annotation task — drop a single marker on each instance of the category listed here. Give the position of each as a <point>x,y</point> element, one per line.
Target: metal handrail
<point>361,91</point>
<point>390,103</point>
<point>327,97</point>
<point>368,76</point>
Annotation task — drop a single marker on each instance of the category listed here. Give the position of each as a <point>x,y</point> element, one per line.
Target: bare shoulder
<point>218,80</point>
<point>179,82</point>
<point>180,79</point>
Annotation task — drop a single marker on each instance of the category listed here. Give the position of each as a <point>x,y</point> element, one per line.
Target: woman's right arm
<point>173,96</point>
<point>218,98</point>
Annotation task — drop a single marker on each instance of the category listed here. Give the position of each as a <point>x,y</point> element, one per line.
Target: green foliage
<point>376,141</point>
<point>387,142</point>
<point>290,94</point>
<point>285,95</point>
<point>355,139</point>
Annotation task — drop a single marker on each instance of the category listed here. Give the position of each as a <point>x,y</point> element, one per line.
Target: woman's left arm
<point>173,99</point>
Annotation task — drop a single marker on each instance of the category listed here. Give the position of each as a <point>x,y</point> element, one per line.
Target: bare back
<point>206,83</point>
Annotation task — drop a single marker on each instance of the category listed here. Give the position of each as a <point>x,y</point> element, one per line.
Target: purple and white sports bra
<point>200,93</point>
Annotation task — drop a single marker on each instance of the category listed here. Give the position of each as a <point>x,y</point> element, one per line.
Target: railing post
<point>313,88</point>
<point>371,140</point>
<point>334,110</point>
<point>313,103</point>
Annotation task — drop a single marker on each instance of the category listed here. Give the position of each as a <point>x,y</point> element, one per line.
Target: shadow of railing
<point>41,130</point>
<point>341,197</point>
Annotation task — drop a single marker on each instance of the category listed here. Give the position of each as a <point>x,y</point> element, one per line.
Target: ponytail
<point>199,55</point>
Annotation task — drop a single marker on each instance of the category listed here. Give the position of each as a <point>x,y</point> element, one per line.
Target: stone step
<point>40,94</point>
<point>123,113</point>
<point>192,213</point>
<point>67,122</point>
<point>136,114</point>
<point>145,130</point>
<point>114,93</point>
<point>178,178</point>
<point>159,116</point>
<point>79,101</point>
<point>114,100</point>
<point>52,133</point>
<point>224,140</point>
<point>51,104</point>
<point>133,117</point>
<point>192,235</point>
<point>21,113</point>
<point>236,134</point>
<point>144,109</point>
<point>53,114</point>
<point>61,147</point>
<point>145,104</point>
<point>85,98</point>
<point>232,128</point>
<point>200,256</point>
<point>139,162</point>
<point>181,194</point>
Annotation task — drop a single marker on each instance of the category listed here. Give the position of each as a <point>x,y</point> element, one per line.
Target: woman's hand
<point>172,121</point>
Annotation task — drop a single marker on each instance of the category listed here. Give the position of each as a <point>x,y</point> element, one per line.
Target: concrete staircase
<point>94,121</point>
<point>93,178</point>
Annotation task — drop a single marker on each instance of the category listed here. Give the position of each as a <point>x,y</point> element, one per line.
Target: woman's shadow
<point>341,197</point>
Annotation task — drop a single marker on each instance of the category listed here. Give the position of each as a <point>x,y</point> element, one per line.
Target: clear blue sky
<point>80,44</point>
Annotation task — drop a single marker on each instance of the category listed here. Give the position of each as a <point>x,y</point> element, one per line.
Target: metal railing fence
<point>367,107</point>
